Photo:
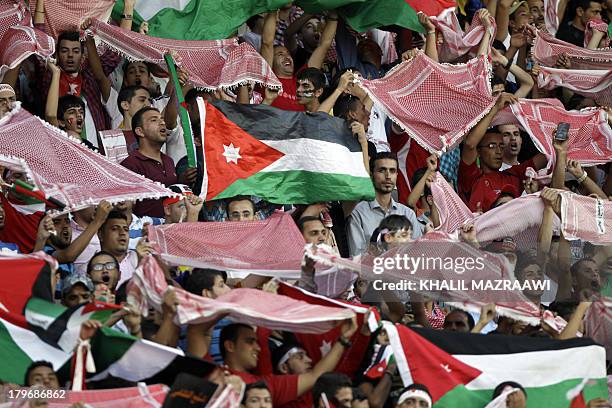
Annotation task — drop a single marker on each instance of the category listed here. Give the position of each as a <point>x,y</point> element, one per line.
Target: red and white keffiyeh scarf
<point>237,247</point>
<point>590,135</point>
<point>249,306</point>
<point>586,218</point>
<point>18,39</point>
<point>436,104</point>
<point>67,15</point>
<point>597,25</point>
<point>456,42</point>
<point>210,64</point>
<point>546,49</point>
<point>64,168</point>
<point>598,323</point>
<point>551,15</point>
<point>594,84</point>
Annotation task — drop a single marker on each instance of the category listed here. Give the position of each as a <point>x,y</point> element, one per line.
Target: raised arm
<point>267,38</point>
<point>419,187</point>
<point>524,79</point>
<point>39,13</point>
<point>574,167</point>
<point>328,363</point>
<point>483,49</point>
<point>551,200</point>
<point>469,152</point>
<point>431,49</point>
<point>128,14</point>
<point>53,95</point>
<point>318,56</point>
<point>292,30</point>
<point>343,84</point>
<point>95,63</point>
<point>502,18</point>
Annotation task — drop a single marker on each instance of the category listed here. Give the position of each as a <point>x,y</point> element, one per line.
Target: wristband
<point>431,32</point>
<point>345,342</point>
<point>584,176</point>
<point>508,65</point>
<point>127,16</point>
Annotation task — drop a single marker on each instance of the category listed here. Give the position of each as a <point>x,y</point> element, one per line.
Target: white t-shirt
<point>128,266</point>
<point>377,133</point>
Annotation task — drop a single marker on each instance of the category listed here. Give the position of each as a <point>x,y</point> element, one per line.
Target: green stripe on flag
<point>215,19</point>
<point>14,360</point>
<point>548,396</point>
<point>301,187</point>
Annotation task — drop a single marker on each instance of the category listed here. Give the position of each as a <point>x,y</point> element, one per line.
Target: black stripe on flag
<point>268,123</point>
<point>479,344</point>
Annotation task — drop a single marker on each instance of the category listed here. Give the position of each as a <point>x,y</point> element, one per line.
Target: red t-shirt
<point>284,388</point>
<point>287,99</point>
<point>411,157</point>
<point>21,224</point>
<point>478,187</point>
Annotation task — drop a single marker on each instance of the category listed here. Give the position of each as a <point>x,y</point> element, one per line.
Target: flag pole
<point>185,123</point>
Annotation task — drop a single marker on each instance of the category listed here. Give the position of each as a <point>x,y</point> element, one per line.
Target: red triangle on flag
<point>231,153</point>
<point>431,7</point>
<point>431,366</point>
<point>579,402</point>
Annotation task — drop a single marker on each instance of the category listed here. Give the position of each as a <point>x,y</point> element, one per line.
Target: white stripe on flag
<point>578,363</point>
<point>398,352</point>
<point>34,347</point>
<point>149,8</point>
<point>202,111</point>
<point>330,157</point>
<point>142,360</point>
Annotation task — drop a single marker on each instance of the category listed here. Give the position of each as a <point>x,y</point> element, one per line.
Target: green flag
<point>213,19</point>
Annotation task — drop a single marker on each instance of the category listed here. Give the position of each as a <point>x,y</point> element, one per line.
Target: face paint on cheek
<point>308,94</point>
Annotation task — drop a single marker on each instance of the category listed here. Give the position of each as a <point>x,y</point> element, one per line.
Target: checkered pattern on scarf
<point>210,64</point>
<point>214,245</point>
<point>590,136</point>
<point>597,25</point>
<point>248,306</point>
<point>436,104</point>
<point>67,170</point>
<point>586,218</point>
<point>594,84</point>
<point>551,16</point>
<point>546,49</point>
<point>598,323</point>
<point>18,38</point>
<point>456,42</point>
<point>67,15</point>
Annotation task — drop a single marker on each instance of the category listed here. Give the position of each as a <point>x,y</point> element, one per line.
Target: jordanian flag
<point>20,347</point>
<point>462,369</point>
<point>61,325</point>
<point>284,157</point>
<point>215,19</point>
<point>123,356</point>
<point>23,277</point>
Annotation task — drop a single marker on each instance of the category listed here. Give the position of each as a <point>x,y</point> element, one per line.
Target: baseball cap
<point>69,281</point>
<point>181,189</point>
<point>515,5</point>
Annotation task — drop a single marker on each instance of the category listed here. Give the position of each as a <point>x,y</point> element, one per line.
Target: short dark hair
<point>523,260</point>
<point>114,215</point>
<point>127,64</point>
<point>381,156</point>
<point>238,198</point>
<point>329,384</point>
<point>578,263</point>
<point>470,319</point>
<point>137,120</point>
<point>314,75</point>
<point>90,263</point>
<point>127,93</point>
<point>230,332</point>
<point>345,104</point>
<point>258,385</point>
<point>304,220</point>
<point>395,222</point>
<point>70,36</point>
<point>68,102</point>
<point>500,388</point>
<point>202,278</point>
<point>32,367</point>
<point>583,4</point>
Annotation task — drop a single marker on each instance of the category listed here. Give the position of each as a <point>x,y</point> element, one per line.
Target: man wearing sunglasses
<point>480,186</point>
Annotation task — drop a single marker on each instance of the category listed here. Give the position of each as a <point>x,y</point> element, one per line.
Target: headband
<point>415,394</point>
<point>288,355</point>
<point>173,200</point>
<point>7,87</point>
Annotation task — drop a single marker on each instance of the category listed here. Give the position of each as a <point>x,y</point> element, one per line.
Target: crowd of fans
<point>319,61</point>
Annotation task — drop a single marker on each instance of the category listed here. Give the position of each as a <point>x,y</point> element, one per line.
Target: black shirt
<point>570,34</point>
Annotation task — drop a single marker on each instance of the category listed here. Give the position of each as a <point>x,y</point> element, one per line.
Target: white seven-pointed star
<point>231,153</point>
<point>325,348</point>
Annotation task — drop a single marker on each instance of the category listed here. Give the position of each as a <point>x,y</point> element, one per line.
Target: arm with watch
<point>590,187</point>
<point>127,16</point>
<point>328,363</point>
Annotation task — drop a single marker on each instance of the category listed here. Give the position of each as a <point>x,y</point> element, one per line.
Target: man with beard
<point>7,99</point>
<point>282,63</point>
<point>149,161</point>
<point>55,237</point>
<point>367,215</point>
<point>480,186</point>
